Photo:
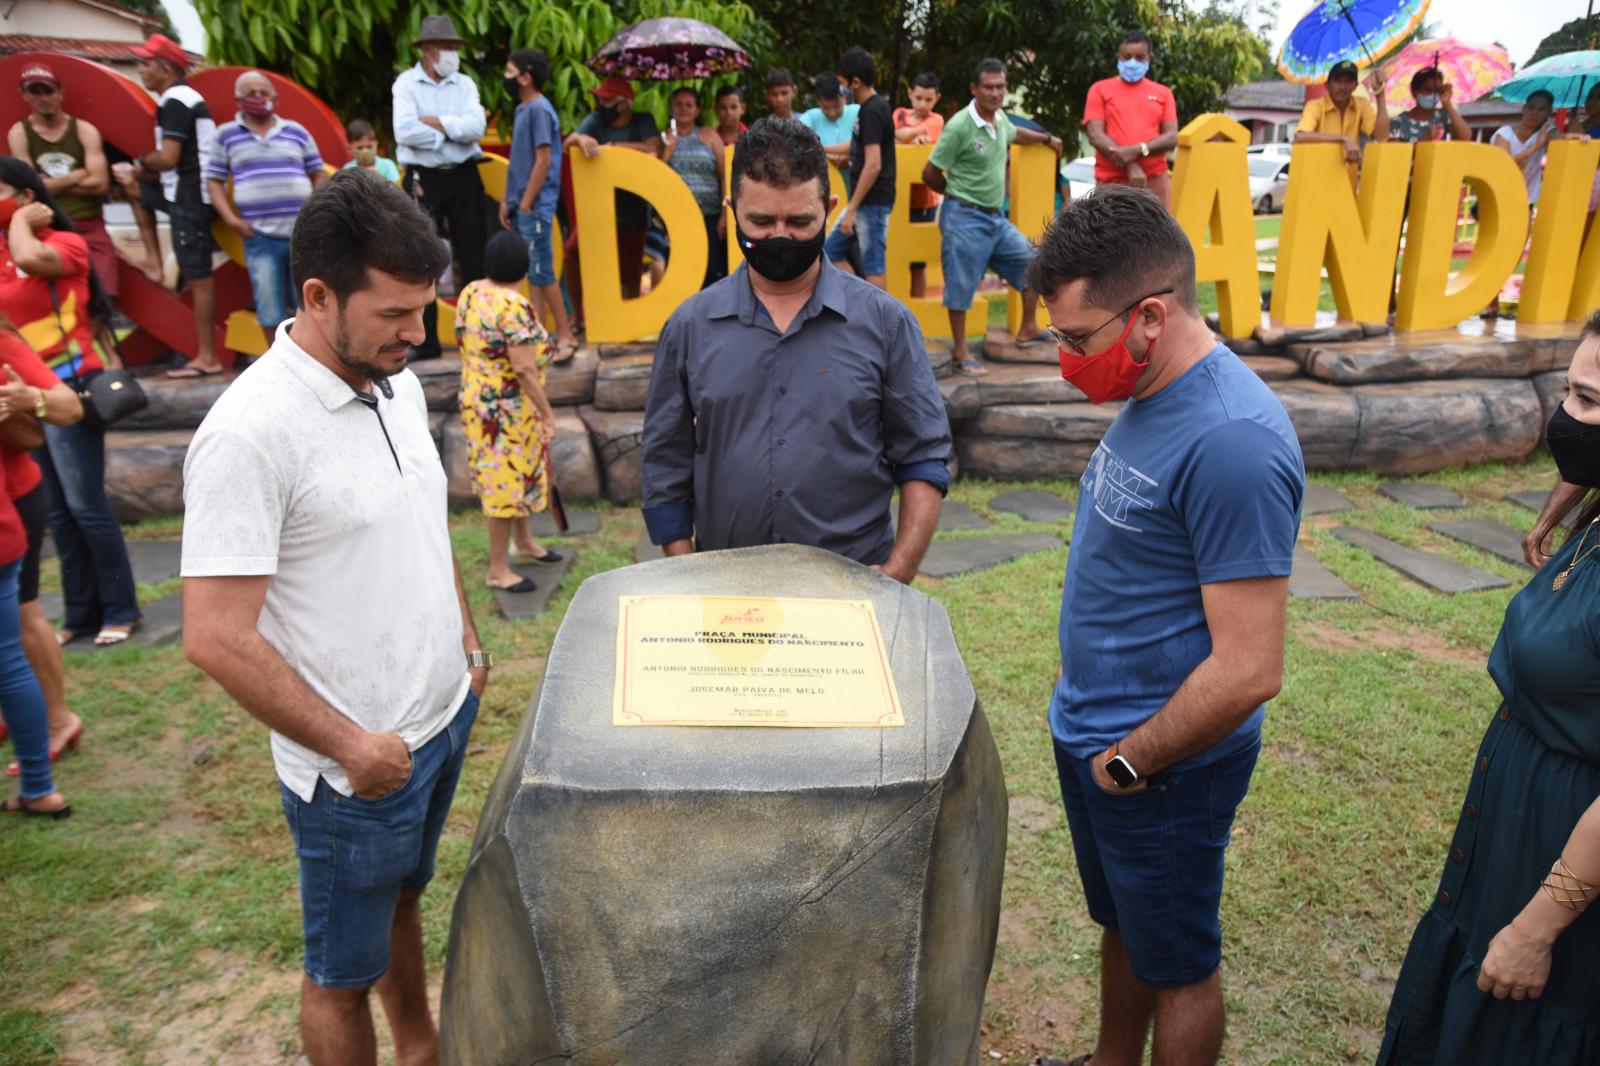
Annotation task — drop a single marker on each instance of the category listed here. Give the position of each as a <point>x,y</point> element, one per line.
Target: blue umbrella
<point>1336,30</point>
<point>1567,77</point>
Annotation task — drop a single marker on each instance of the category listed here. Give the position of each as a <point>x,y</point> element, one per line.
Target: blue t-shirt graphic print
<point>1200,483</point>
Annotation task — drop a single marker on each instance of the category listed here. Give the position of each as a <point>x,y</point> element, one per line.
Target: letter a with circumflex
<point>1211,199</point>
<point>595,183</point>
<point>1429,297</point>
<point>1560,253</point>
<point>1326,224</point>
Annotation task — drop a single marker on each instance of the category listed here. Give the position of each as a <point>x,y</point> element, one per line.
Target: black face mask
<point>781,258</point>
<point>1575,446</point>
<point>513,88</point>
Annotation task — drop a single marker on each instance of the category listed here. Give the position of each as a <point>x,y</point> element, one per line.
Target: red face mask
<point>8,207</point>
<point>1107,375</point>
<point>257,106</point>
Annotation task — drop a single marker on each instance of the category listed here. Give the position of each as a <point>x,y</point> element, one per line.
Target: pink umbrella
<point>1472,70</point>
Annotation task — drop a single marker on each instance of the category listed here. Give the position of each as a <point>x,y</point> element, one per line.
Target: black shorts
<point>192,245</point>
<point>34,510</point>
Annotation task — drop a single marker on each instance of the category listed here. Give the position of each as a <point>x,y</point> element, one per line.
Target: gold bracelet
<point>1567,889</point>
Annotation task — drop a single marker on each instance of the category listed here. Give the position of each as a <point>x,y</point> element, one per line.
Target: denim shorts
<point>872,237</point>
<point>541,258</point>
<point>266,259</point>
<point>973,241</point>
<point>357,855</point>
<point>1151,861</point>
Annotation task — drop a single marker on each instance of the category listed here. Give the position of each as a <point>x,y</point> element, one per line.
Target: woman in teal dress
<point>1505,965</point>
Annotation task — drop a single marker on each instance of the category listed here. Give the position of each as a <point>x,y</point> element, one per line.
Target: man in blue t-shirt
<point>1172,618</point>
<point>533,187</point>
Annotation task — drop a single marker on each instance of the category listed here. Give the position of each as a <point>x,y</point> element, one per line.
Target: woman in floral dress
<point>509,423</point>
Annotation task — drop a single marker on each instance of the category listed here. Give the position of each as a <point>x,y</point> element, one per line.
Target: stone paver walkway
<point>1422,495</point>
<point>1440,574</point>
<point>1032,504</point>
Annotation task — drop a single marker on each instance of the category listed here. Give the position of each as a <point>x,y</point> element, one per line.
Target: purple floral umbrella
<point>669,49</point>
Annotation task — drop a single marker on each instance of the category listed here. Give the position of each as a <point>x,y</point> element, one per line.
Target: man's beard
<point>366,368</point>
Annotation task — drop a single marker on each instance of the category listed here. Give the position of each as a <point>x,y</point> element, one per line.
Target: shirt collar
<point>992,127</point>
<point>423,75</point>
<point>737,299</point>
<point>324,384</point>
<point>272,131</point>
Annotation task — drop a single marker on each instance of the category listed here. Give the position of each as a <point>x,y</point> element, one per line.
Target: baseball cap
<point>1343,68</point>
<point>163,48</point>
<point>35,73</point>
<point>614,86</point>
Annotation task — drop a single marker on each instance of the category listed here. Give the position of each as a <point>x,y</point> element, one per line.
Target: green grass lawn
<point>161,924</point>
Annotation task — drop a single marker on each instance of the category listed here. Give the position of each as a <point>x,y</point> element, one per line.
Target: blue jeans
<point>21,701</point>
<point>357,856</point>
<point>872,237</point>
<point>96,577</point>
<point>536,230</point>
<point>1151,860</point>
<point>972,241</point>
<point>267,260</point>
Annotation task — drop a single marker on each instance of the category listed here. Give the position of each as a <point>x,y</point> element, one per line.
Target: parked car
<point>1079,175</point>
<point>1279,149</point>
<point>1269,181</point>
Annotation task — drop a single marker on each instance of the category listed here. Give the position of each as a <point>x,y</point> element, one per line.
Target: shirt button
<point>1471,812</point>
<point>778,494</point>
<point>780,442</point>
<point>1444,898</point>
<point>783,390</point>
<point>1457,855</point>
<point>1483,762</point>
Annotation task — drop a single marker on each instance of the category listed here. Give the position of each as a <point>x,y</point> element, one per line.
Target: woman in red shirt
<point>47,289</point>
<point>30,391</point>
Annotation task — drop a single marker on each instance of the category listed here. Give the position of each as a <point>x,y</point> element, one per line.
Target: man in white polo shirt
<point>320,591</point>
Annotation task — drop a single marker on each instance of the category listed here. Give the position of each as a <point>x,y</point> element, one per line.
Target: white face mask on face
<point>447,64</point>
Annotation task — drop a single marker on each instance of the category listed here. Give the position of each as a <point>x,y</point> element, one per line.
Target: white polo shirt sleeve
<point>234,507</point>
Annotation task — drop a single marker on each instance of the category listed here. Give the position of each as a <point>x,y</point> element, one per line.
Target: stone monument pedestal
<point>740,895</point>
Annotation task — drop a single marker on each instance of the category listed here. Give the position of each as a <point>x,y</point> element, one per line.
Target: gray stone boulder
<point>622,384</point>
<point>441,381</point>
<point>1000,345</point>
<point>1326,418</point>
<point>144,472</point>
<point>733,895</point>
<point>572,383</point>
<point>1022,458</point>
<point>1422,426</point>
<point>939,357</point>
<point>1415,357</point>
<point>1552,389</point>
<point>1027,383</point>
<point>616,436</point>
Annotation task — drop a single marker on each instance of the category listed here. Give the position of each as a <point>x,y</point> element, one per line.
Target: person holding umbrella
<point>1433,115</point>
<point>438,119</point>
<point>1342,117</point>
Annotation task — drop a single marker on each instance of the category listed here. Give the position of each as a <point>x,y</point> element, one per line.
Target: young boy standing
<point>533,187</point>
<point>780,90</point>
<point>920,124</point>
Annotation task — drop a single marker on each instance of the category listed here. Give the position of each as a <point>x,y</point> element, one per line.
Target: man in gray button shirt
<point>789,399</point>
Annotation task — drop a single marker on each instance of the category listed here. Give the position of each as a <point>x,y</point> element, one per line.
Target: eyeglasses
<point>1075,343</point>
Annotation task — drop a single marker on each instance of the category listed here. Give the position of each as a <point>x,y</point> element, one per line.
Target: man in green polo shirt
<point>968,165</point>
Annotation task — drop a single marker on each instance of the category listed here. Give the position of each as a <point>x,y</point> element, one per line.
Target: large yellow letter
<point>1033,205</point>
<point>913,242</point>
<point>1429,299</point>
<point>611,318</point>
<point>1322,223</point>
<point>1211,198</point>
<point>1548,292</point>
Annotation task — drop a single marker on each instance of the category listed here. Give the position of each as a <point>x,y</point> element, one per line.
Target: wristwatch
<point>39,406</point>
<point>479,660</point>
<point>1144,148</point>
<point>1121,770</point>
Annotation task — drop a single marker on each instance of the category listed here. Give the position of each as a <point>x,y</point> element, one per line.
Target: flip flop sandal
<point>972,368</point>
<point>525,585</point>
<point>110,635</point>
<point>189,373</point>
<point>15,805</point>
<point>67,636</point>
<point>1033,342</point>
<point>549,558</point>
<point>565,353</point>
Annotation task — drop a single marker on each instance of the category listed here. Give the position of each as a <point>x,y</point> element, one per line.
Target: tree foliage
<point>349,52</point>
<point>1572,37</point>
<point>154,9</point>
<point>1054,49</point>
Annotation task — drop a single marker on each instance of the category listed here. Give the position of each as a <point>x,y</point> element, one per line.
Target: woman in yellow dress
<point>509,423</point>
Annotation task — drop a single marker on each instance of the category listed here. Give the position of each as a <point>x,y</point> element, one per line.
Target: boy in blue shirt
<point>533,188</point>
<point>1172,616</point>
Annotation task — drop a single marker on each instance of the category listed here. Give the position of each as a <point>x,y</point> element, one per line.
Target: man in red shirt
<point>1132,122</point>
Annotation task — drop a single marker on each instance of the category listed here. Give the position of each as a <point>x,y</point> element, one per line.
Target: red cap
<point>614,86</point>
<point>35,73</point>
<point>165,48</point>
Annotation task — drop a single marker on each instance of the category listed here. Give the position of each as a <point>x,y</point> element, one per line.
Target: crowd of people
<point>314,480</point>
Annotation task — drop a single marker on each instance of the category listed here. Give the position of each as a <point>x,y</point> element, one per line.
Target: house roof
<point>126,12</point>
<point>1267,96</point>
<point>97,51</point>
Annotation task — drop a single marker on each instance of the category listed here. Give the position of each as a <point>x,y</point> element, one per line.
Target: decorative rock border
<point>1359,396</point>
